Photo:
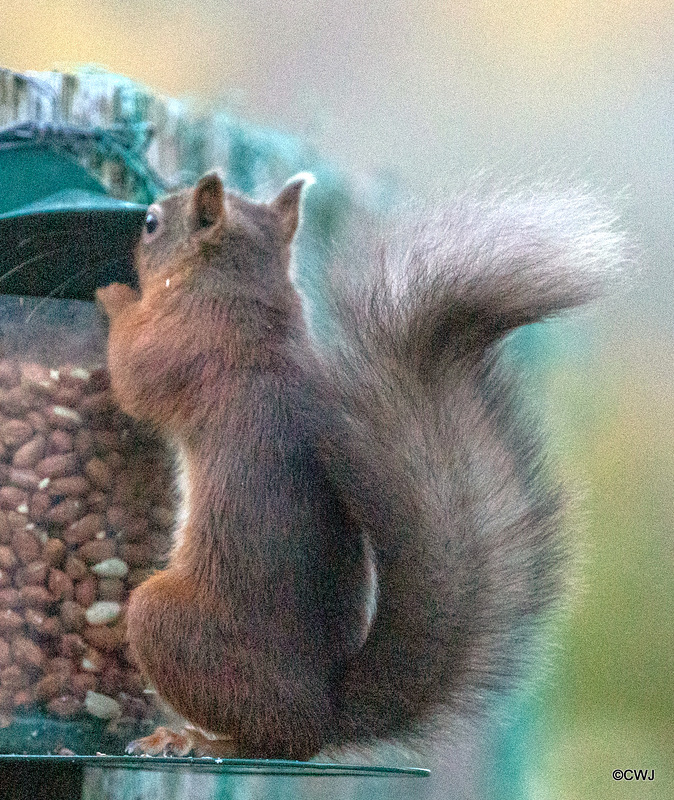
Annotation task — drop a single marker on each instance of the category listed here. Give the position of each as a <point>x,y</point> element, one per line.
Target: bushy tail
<point>452,279</point>
<point>445,474</point>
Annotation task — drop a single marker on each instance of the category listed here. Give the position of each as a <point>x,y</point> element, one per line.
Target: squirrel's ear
<point>208,201</point>
<point>287,204</point>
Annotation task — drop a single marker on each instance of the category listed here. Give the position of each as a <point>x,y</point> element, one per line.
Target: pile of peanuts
<point>85,516</point>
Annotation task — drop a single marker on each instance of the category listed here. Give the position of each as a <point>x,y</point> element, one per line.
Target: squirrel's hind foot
<point>165,742</point>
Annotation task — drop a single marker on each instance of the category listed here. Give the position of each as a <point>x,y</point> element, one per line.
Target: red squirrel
<point>367,531</point>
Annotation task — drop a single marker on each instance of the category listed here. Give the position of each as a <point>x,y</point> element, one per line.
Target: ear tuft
<point>208,200</point>
<point>287,204</point>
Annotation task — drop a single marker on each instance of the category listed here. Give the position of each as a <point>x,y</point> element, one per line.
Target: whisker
<point>55,291</point>
<point>39,256</point>
<point>45,234</point>
<point>90,266</point>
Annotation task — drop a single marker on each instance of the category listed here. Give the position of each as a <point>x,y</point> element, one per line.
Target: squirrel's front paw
<point>115,298</point>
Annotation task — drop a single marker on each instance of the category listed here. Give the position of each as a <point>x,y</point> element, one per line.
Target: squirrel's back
<point>371,532</point>
<point>466,525</point>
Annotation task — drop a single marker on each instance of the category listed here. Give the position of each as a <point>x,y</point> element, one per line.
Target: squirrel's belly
<point>182,484</point>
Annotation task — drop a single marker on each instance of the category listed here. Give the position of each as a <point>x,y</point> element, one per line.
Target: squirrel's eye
<point>152,225</point>
<point>151,222</point>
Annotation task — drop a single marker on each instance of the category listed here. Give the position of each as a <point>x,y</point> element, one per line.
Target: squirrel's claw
<point>163,742</point>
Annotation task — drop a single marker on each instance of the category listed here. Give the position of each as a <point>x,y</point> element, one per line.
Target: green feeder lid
<point>61,236</point>
<point>76,201</point>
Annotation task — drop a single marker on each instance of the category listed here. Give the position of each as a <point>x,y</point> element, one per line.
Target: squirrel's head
<point>217,242</point>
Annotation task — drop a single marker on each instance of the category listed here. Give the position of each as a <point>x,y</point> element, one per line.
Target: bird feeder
<point>85,498</point>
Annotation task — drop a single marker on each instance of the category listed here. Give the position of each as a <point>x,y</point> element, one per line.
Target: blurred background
<point>421,96</point>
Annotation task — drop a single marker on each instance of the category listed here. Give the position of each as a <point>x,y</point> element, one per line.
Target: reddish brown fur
<point>246,630</point>
<point>404,444</point>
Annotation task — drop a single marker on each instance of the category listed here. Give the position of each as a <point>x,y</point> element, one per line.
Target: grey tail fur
<point>440,466</point>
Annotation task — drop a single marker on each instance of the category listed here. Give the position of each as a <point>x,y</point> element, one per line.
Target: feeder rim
<point>235,766</point>
<point>76,201</point>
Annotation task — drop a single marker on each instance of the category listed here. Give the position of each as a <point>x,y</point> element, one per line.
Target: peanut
<point>28,455</point>
<point>84,518</point>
